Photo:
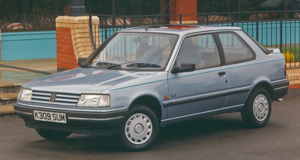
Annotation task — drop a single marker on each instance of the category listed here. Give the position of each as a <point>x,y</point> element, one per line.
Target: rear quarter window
<point>235,49</point>
<point>258,44</point>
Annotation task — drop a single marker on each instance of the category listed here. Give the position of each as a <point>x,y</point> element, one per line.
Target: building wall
<point>28,45</point>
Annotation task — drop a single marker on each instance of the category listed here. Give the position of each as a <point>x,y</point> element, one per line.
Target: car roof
<point>178,29</point>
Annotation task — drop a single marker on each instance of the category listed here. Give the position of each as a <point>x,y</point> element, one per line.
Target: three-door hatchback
<point>143,78</point>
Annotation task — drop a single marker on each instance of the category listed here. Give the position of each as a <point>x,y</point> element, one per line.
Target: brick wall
<point>183,7</point>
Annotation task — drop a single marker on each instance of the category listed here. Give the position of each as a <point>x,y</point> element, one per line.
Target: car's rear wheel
<point>257,111</point>
<point>139,129</point>
<point>52,135</point>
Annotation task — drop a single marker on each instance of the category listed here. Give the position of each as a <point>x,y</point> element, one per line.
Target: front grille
<point>65,99</point>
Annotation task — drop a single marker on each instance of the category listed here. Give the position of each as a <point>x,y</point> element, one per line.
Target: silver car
<point>141,79</point>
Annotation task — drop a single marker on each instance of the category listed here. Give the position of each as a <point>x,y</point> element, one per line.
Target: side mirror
<point>81,60</point>
<point>185,67</point>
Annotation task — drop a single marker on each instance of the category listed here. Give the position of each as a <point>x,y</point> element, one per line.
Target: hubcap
<point>260,107</point>
<point>138,128</point>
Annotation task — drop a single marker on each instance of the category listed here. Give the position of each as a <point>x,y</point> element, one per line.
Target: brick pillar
<point>66,58</point>
<point>73,40</point>
<point>183,7</point>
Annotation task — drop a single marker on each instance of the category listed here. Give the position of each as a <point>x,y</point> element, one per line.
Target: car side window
<point>200,50</point>
<point>235,49</point>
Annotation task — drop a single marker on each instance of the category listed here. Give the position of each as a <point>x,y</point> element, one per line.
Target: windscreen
<point>136,51</point>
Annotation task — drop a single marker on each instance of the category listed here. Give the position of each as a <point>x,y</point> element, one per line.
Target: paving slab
<point>15,73</point>
<point>21,71</point>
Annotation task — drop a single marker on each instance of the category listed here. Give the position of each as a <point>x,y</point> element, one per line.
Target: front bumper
<point>83,122</point>
<point>280,89</point>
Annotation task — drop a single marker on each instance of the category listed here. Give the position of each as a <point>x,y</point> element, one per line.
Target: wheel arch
<point>265,85</point>
<point>149,101</point>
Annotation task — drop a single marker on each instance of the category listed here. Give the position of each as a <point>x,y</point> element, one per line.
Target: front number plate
<point>50,116</point>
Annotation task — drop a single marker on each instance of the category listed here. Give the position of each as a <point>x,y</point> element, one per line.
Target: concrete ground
<point>222,137</point>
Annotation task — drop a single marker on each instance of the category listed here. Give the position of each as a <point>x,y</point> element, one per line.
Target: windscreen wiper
<point>107,64</point>
<point>144,65</point>
<point>113,66</point>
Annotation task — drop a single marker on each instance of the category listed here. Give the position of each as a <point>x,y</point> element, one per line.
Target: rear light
<point>285,69</point>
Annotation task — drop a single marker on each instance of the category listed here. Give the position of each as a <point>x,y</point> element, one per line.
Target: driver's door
<point>202,90</point>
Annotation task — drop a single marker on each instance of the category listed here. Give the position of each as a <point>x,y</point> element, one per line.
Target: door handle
<point>222,73</point>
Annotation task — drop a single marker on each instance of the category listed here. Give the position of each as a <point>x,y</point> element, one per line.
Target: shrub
<point>289,57</point>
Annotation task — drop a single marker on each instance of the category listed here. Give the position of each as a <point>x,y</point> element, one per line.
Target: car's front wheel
<point>140,128</point>
<point>52,135</point>
<point>257,111</point>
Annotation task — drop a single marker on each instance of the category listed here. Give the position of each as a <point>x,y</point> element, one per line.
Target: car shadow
<point>189,130</point>
<point>202,127</point>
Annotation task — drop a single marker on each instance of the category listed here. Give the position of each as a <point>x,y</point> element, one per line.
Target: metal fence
<point>272,29</point>
<point>30,22</point>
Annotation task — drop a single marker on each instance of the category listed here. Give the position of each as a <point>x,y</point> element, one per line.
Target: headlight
<point>25,94</point>
<point>91,100</point>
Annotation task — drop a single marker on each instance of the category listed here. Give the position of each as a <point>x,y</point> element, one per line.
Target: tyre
<point>257,111</point>
<point>52,135</point>
<point>139,129</point>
